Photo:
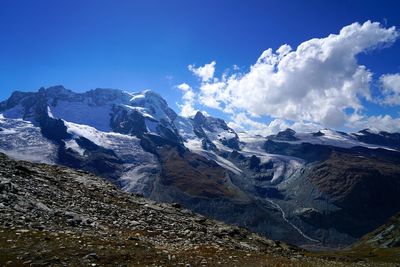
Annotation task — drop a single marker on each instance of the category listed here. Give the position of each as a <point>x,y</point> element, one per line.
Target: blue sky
<point>136,45</point>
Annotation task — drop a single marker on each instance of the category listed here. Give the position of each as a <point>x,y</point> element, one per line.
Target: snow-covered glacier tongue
<point>303,188</point>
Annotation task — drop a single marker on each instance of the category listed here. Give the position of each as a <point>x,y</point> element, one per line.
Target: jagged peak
<point>319,133</point>
<point>369,131</point>
<point>149,92</point>
<point>55,90</point>
<point>285,135</point>
<point>104,95</point>
<point>288,131</point>
<point>199,117</point>
<point>100,95</point>
<point>17,96</point>
<point>107,91</point>
<point>147,95</point>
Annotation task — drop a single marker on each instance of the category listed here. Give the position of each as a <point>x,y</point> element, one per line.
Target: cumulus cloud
<point>390,85</point>
<point>242,122</point>
<point>187,108</point>
<point>316,85</point>
<point>320,82</point>
<point>306,127</point>
<point>205,73</point>
<point>379,123</point>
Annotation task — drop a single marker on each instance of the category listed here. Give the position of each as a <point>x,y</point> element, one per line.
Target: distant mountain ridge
<point>303,188</point>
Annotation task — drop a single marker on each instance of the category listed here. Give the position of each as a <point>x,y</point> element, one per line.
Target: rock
<point>42,206</point>
<point>134,223</point>
<point>201,219</point>
<point>154,207</point>
<point>176,205</point>
<point>92,255</point>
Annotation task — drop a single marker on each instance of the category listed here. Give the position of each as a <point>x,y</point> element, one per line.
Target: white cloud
<point>205,73</point>
<point>390,85</point>
<point>318,83</point>
<point>306,127</point>
<point>378,123</point>
<point>242,122</point>
<point>187,108</point>
<point>184,87</point>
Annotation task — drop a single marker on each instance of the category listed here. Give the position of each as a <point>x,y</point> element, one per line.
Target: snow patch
<point>49,113</point>
<point>134,179</point>
<point>193,144</point>
<point>22,140</point>
<point>72,144</point>
<point>331,138</point>
<point>185,128</point>
<point>83,113</point>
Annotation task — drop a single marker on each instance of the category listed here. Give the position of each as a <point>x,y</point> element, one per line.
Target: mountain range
<point>321,189</point>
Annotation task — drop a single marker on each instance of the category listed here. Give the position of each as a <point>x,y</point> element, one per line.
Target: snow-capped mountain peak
<point>103,109</point>
<point>153,105</point>
<point>55,91</point>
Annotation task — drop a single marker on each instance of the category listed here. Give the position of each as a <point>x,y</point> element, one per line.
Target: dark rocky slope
<point>366,189</point>
<point>62,217</point>
<point>360,186</point>
<point>386,236</point>
<point>380,245</point>
<point>380,138</point>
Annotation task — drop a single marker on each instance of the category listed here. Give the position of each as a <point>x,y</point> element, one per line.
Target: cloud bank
<point>390,84</point>
<point>318,84</point>
<point>205,73</point>
<point>187,108</point>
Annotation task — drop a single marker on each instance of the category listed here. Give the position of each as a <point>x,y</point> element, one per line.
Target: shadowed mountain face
<point>321,189</point>
<point>365,189</point>
<point>382,138</point>
<point>386,236</point>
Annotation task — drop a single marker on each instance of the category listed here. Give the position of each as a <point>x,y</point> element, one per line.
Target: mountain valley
<point>325,189</point>
<point>56,216</point>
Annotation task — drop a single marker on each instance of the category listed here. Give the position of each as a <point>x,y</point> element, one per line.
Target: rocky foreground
<point>56,216</point>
